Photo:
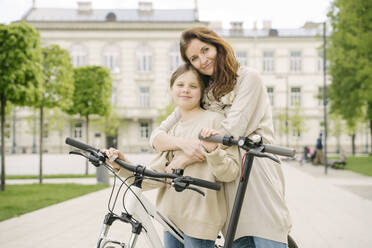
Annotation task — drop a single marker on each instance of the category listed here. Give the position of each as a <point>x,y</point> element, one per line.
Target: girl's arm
<point>161,140</point>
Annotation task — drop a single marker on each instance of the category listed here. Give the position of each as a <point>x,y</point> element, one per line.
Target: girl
<point>239,94</point>
<point>200,218</point>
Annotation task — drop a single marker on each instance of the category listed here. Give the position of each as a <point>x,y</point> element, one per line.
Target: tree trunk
<point>3,103</point>
<point>87,142</point>
<point>353,143</point>
<point>370,127</point>
<point>41,145</point>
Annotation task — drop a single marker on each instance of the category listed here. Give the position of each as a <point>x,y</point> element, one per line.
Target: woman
<point>239,94</point>
<point>200,218</point>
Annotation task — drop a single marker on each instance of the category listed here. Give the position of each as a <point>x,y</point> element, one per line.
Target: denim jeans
<point>256,242</point>
<point>189,242</point>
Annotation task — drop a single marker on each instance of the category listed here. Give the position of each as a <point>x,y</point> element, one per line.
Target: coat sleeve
<point>223,163</point>
<point>166,125</point>
<point>248,107</point>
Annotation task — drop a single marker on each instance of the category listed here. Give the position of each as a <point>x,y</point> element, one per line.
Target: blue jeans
<point>189,242</point>
<point>256,242</point>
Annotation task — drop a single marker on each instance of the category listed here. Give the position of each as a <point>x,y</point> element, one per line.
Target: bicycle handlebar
<point>142,170</point>
<point>230,141</point>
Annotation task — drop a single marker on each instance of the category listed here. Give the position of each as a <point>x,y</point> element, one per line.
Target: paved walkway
<point>333,211</point>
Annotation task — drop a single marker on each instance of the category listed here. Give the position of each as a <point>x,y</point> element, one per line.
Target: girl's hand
<point>206,132</point>
<point>192,148</point>
<point>112,154</point>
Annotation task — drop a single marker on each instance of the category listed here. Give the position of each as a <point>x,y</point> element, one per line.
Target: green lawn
<point>20,199</point>
<point>362,165</point>
<point>49,176</point>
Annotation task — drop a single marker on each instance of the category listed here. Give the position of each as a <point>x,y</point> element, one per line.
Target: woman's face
<point>202,56</point>
<point>186,91</point>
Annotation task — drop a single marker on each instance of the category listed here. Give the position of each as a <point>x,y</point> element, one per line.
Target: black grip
<point>79,145</point>
<point>279,150</point>
<point>225,140</point>
<point>206,184</point>
<point>215,138</point>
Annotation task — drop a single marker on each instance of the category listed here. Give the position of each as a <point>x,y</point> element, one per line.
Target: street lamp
<point>325,98</point>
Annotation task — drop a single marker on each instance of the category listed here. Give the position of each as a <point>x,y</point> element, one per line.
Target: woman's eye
<point>193,59</point>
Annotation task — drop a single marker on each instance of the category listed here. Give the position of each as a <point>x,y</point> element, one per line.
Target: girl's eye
<point>193,59</point>
<point>205,49</point>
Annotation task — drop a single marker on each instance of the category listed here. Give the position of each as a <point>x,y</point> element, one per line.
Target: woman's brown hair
<point>225,67</point>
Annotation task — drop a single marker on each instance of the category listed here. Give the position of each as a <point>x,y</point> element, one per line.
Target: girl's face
<point>202,56</point>
<point>186,91</point>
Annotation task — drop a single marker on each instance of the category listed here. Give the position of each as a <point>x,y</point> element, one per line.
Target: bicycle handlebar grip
<point>206,184</point>
<point>279,150</point>
<point>215,138</point>
<point>79,145</point>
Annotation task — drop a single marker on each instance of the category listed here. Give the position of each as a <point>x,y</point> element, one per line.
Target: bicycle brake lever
<point>78,153</point>
<point>196,190</point>
<point>263,155</point>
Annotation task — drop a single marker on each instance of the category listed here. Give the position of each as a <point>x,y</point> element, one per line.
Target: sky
<point>282,13</point>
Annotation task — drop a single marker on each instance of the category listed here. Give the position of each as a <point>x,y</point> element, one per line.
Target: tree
<point>350,55</point>
<point>92,95</point>
<point>164,113</point>
<point>58,88</point>
<point>21,75</point>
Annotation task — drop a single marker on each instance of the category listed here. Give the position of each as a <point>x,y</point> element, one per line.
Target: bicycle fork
<point>109,219</point>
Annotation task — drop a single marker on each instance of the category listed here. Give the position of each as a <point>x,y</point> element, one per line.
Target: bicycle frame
<point>139,211</point>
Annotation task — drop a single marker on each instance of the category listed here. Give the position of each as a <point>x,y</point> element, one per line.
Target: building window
<point>295,96</point>
<point>144,59</point>
<point>111,58</point>
<point>270,92</point>
<point>295,61</point>
<point>242,57</point>
<point>268,61</point>
<point>144,97</point>
<point>78,130</point>
<point>78,55</point>
<point>175,58</point>
<point>144,129</point>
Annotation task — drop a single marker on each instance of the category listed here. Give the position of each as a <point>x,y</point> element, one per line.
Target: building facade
<point>140,47</point>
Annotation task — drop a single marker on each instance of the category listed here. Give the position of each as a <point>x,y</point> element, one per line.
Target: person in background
<point>319,151</point>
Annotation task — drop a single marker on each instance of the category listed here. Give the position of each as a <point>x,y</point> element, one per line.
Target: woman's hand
<point>207,132</point>
<point>112,154</point>
<point>181,161</point>
<point>192,148</point>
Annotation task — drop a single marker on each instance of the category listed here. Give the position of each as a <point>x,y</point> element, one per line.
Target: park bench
<point>338,164</point>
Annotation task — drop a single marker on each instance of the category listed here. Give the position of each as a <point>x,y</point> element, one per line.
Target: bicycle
<point>137,210</point>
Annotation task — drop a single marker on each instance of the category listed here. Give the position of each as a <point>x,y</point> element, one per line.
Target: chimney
<point>254,26</point>
<point>84,7</point>
<point>266,25</point>
<point>196,10</point>
<point>144,7</point>
<point>236,28</point>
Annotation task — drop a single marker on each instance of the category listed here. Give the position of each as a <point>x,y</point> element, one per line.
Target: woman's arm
<point>223,163</point>
<point>165,142</point>
<point>249,107</point>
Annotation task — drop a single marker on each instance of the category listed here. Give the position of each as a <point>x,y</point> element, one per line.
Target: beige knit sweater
<point>197,216</point>
<point>247,110</point>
